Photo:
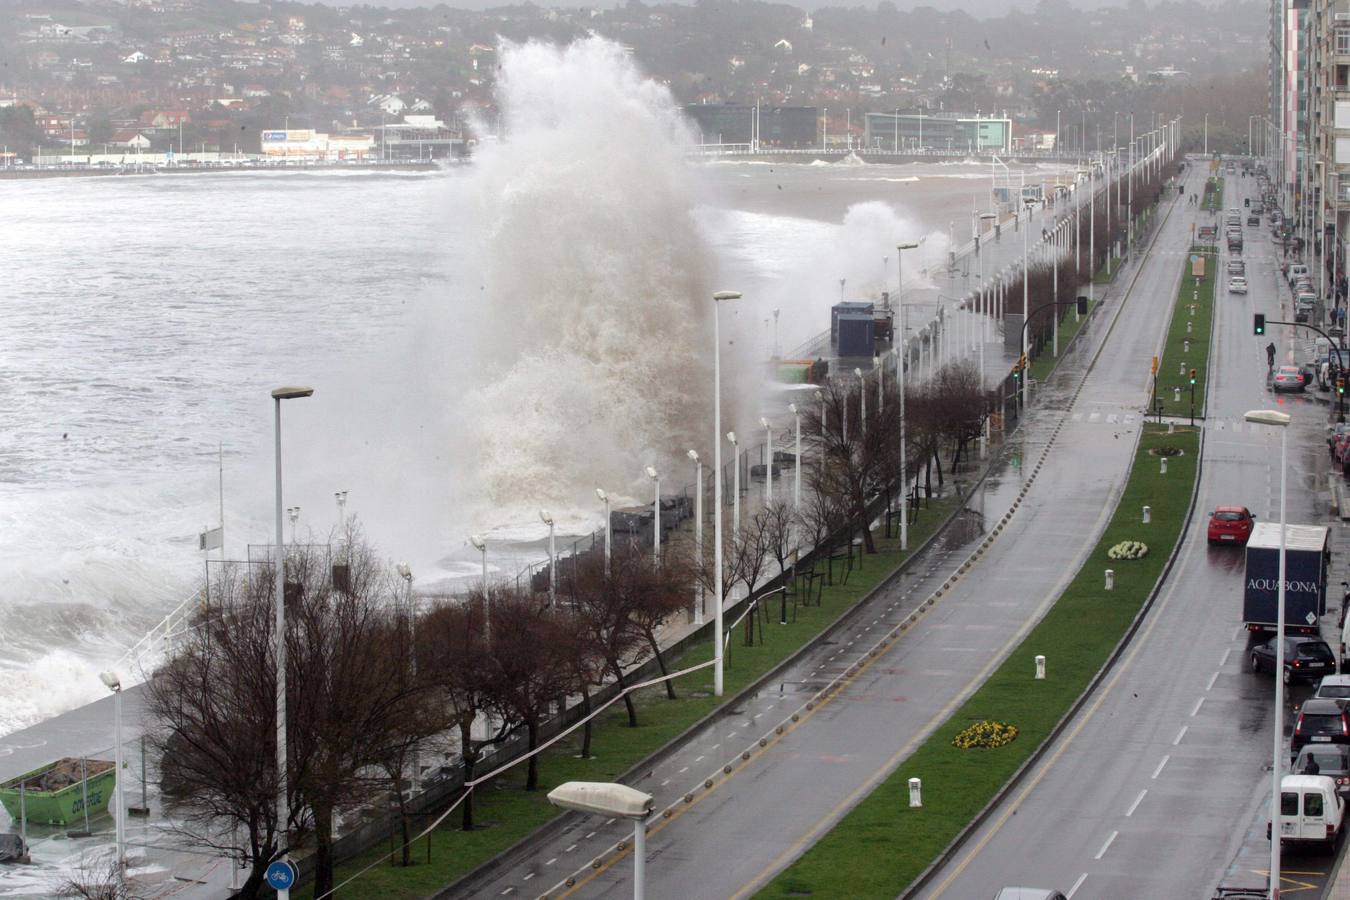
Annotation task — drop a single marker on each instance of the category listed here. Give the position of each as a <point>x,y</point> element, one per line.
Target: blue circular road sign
<point>281,875</point>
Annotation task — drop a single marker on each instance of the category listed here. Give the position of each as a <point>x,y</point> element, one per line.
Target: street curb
<point>1031,761</point>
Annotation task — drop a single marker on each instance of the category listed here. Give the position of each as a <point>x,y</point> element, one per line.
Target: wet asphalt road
<point>1160,788</point>
<point>752,822</point>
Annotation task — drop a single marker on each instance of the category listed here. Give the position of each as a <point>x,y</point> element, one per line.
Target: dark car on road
<point>1333,761</point>
<point>1305,658</point>
<point>1320,722</point>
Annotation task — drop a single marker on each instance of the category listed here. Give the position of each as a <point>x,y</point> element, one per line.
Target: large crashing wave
<point>597,329</point>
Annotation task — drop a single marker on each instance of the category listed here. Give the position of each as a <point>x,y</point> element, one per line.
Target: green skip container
<point>55,794</point>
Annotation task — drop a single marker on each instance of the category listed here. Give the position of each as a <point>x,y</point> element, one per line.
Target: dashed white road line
<point>528,876</point>
<point>1076,885</point>
<point>551,861</point>
<point>1199,703</point>
<point>1102,852</point>
<point>1213,678</point>
<point>591,835</point>
<point>1225,657</point>
<point>1135,805</point>
<point>507,891</point>
<point>663,784</point>
<point>1163,762</point>
<point>1180,734</point>
<point>570,849</point>
<point>686,768</point>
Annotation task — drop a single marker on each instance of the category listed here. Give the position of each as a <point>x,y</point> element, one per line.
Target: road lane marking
<point>1199,703</point>
<point>1135,805</point>
<point>568,850</point>
<point>591,835</point>
<point>551,861</point>
<point>686,768</point>
<point>505,892</point>
<point>1102,852</point>
<point>1213,678</point>
<point>528,876</point>
<point>663,784</point>
<point>1158,771</point>
<point>1076,885</point>
<point>1225,657</point>
<point>1180,734</point>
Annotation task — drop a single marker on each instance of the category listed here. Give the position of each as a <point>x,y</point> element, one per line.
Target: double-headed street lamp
<point>1281,421</point>
<point>279,637</point>
<point>717,483</point>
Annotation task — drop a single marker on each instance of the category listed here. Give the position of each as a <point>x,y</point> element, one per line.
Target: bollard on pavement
<point>1189,323</point>
<point>1148,514</point>
<point>1176,393</point>
<point>1186,346</point>
<point>915,792</point>
<point>1040,668</point>
<point>1110,579</point>
<point>1182,369</point>
<point>1171,427</point>
<point>1163,469</point>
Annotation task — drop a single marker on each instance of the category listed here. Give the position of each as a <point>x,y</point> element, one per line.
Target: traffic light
<point>1082,306</point>
<point>1340,385</point>
<point>1192,378</point>
<point>1259,324</point>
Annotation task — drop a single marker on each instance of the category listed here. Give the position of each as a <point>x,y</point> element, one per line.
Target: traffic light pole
<point>1080,302</point>
<point>1262,321</point>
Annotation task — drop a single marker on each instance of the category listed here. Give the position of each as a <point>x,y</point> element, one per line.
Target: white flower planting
<point>1128,550</point>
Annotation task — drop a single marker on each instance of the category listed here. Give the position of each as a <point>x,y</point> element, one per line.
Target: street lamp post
<point>717,484</point>
<point>698,535</point>
<point>114,684</point>
<point>735,483</point>
<point>619,801</point>
<point>1281,421</point>
<point>902,364</point>
<point>797,458</point>
<point>768,460</point>
<point>293,512</point>
<point>862,404</point>
<point>656,515</point>
<point>552,558</point>
<point>481,546</point>
<point>341,497</point>
<point>604,498</point>
<point>279,637</point>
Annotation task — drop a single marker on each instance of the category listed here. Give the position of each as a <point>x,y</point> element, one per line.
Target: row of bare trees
<point>374,685</point>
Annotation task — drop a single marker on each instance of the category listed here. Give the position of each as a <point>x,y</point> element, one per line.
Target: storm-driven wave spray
<point>596,319</point>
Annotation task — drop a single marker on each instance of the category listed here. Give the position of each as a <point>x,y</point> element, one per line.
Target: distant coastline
<point>87,171</point>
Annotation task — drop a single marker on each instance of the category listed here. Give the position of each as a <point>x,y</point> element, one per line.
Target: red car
<point>1230,525</point>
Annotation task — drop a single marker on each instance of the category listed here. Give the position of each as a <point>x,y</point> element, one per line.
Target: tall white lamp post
<point>698,535</point>
<point>114,684</point>
<point>768,459</point>
<point>1281,421</point>
<point>900,380</point>
<point>862,403</point>
<point>552,558</point>
<point>797,458</point>
<point>735,483</point>
<point>618,800</point>
<point>279,638</point>
<point>656,515</point>
<point>717,483</point>
<point>604,498</point>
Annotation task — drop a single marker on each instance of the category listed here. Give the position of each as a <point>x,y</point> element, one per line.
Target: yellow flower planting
<point>985,734</point>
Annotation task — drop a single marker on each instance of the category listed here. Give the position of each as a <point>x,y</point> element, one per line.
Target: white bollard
<point>1110,579</point>
<point>1148,514</point>
<point>1163,469</point>
<point>1040,668</point>
<point>1186,346</point>
<point>1182,369</point>
<point>1189,323</point>
<point>1171,427</point>
<point>1176,393</point>
<point>915,792</point>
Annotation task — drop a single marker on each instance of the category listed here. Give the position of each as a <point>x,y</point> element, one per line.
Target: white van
<point>1310,809</point>
<point>1296,270</point>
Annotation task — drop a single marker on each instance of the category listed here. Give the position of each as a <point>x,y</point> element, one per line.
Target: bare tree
<point>532,667</point>
<point>605,608</point>
<point>657,594</point>
<point>96,879</point>
<point>455,656</point>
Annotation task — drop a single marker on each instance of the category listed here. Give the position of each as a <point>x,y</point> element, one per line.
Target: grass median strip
<point>883,845</point>
<point>509,813</point>
<point>1188,335</point>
